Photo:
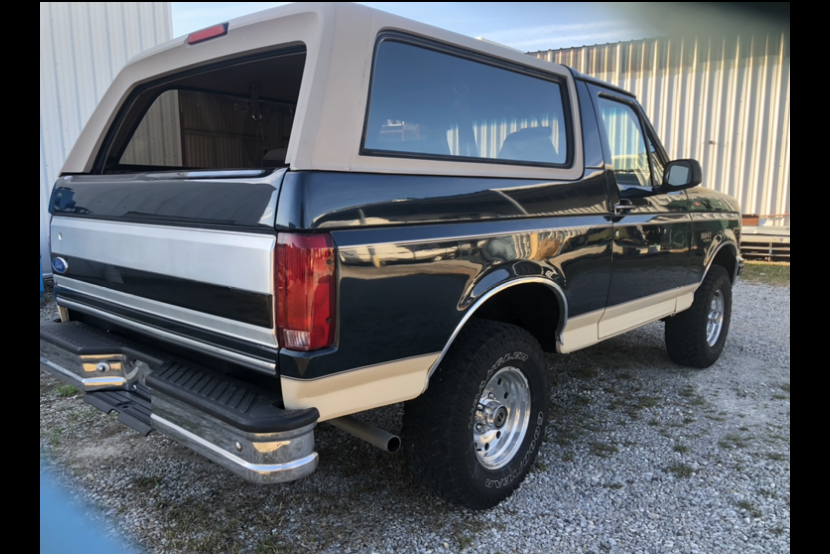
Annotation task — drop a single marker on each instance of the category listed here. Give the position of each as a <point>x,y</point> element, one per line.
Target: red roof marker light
<point>210,32</point>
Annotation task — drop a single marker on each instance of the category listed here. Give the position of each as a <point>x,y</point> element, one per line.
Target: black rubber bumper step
<point>80,339</point>
<point>237,403</point>
<point>84,340</point>
<point>134,408</point>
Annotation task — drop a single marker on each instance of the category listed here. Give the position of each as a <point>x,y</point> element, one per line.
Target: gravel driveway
<point>641,456</point>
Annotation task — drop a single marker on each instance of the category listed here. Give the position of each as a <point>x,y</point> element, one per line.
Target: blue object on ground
<point>64,527</point>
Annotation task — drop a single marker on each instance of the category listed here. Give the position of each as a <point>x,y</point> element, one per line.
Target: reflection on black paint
<point>231,204</point>
<point>405,299</point>
<point>325,200</point>
<point>415,252</point>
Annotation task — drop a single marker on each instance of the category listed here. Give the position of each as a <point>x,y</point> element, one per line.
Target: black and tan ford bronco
<point>322,209</point>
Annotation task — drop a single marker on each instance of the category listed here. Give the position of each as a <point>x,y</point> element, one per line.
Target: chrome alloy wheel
<point>502,418</point>
<point>714,325</point>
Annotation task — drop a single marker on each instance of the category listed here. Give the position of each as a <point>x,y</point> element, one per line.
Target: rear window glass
<point>430,104</point>
<point>187,128</point>
<point>238,116</point>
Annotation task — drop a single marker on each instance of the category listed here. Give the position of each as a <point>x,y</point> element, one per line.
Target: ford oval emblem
<point>60,265</point>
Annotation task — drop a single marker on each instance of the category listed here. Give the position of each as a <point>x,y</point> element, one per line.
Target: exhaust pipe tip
<point>369,433</point>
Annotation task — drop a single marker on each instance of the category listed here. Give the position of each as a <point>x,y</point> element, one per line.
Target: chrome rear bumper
<point>237,425</point>
<point>261,458</point>
<point>88,358</point>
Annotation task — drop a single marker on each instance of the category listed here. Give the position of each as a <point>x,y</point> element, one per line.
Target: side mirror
<point>682,174</point>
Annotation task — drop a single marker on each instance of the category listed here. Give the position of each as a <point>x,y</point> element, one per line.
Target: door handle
<point>624,207</point>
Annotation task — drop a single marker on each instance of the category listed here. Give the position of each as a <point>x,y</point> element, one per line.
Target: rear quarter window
<point>433,104</point>
<point>209,130</point>
<point>235,114</point>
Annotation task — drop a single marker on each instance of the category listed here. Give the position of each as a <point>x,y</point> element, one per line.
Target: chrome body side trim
<point>221,325</point>
<point>227,258</point>
<point>264,366</point>
<point>563,316</point>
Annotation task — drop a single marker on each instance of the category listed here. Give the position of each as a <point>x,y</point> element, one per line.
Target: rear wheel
<point>473,435</point>
<point>697,336</point>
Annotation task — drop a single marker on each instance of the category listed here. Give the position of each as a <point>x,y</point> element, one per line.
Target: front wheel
<point>697,336</point>
<point>473,435</point>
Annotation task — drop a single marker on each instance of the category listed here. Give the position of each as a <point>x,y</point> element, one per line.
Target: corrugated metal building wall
<point>83,46</point>
<point>724,101</point>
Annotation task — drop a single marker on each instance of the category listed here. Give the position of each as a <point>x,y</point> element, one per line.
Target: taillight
<point>306,287</point>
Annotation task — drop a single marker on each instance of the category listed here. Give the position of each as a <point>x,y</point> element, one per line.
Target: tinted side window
<point>625,139</point>
<point>431,103</point>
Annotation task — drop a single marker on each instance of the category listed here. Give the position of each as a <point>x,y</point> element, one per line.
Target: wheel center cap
<point>500,417</point>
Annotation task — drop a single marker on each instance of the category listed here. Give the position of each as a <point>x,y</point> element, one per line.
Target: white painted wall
<point>83,46</point>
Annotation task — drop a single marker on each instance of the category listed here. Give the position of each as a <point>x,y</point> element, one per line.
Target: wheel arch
<point>725,255</point>
<point>500,304</point>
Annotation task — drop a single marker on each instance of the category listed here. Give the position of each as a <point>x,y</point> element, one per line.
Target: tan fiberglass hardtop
<point>340,40</point>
